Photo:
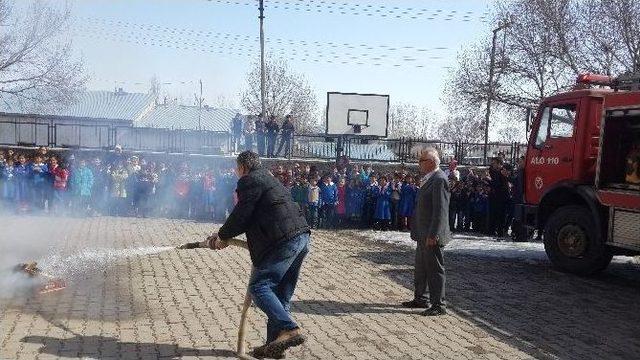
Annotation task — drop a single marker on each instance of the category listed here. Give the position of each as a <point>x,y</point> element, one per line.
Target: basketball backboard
<point>357,114</point>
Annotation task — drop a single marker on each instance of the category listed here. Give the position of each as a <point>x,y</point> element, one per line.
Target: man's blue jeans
<point>274,280</point>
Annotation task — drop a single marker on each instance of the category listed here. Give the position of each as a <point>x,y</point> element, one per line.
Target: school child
<point>396,188</point>
<point>100,190</point>
<point>355,199</point>
<point>119,176</point>
<point>407,202</point>
<point>60,177</point>
<point>82,180</point>
<point>454,185</point>
<point>8,183</point>
<point>39,175</point>
<point>209,188</point>
<point>181,193</point>
<point>329,198</point>
<point>463,207</point>
<point>341,204</point>
<point>299,193</point>
<point>22,176</point>
<point>145,186</point>
<point>313,203</point>
<point>382,214</point>
<point>479,207</point>
<point>370,196</point>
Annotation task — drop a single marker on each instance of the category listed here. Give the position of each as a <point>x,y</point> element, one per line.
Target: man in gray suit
<point>430,229</point>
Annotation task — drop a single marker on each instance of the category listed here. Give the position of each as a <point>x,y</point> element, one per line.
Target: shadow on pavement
<point>530,306</point>
<point>337,308</point>
<point>99,347</point>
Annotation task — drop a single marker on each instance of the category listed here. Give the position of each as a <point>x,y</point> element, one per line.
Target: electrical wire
<point>236,49</point>
<point>359,9</point>
<point>303,54</point>
<point>240,37</point>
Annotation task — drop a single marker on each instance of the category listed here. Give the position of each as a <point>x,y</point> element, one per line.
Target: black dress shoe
<point>415,304</point>
<point>434,311</point>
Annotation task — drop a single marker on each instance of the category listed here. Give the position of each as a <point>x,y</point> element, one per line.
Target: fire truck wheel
<point>572,242</point>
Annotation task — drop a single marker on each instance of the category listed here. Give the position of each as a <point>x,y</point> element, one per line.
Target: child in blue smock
<point>382,213</point>
<point>407,202</point>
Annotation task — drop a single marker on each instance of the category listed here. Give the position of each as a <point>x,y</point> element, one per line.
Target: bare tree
<point>548,44</point>
<point>286,93</point>
<point>458,128</point>
<point>613,32</point>
<point>37,69</point>
<point>407,120</point>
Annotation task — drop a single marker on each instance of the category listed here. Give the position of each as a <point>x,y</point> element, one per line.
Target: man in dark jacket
<point>236,131</point>
<point>272,134</point>
<point>278,239</point>
<point>498,197</point>
<point>261,131</point>
<point>285,139</point>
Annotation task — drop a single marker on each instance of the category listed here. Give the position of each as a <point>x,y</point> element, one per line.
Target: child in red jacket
<point>60,176</point>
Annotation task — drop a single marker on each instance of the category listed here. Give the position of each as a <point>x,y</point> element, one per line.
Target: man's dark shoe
<point>434,311</point>
<point>415,304</point>
<point>278,347</point>
<point>259,353</point>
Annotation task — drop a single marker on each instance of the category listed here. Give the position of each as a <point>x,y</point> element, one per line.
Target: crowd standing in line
<point>345,196</point>
<point>253,129</point>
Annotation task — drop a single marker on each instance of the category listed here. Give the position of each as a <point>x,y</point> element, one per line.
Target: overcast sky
<point>403,47</point>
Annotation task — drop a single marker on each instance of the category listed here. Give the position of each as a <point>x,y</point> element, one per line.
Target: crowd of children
<point>112,184</point>
<point>355,196</point>
<point>338,197</point>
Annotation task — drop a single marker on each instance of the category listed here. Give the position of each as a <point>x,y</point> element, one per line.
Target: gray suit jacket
<point>431,213</point>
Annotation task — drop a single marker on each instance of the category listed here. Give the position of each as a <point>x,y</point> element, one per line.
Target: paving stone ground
<point>186,304</point>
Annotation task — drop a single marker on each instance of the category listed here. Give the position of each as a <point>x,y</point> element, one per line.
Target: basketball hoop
<point>357,115</point>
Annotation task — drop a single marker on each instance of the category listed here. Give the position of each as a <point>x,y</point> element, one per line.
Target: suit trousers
<point>429,272</point>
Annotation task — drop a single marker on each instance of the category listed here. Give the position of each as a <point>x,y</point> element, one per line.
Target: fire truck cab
<point>582,174</point>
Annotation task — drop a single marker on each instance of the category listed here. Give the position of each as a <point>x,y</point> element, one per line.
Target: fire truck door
<point>551,158</point>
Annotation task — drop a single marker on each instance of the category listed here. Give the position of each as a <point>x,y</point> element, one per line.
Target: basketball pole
<point>262,75</point>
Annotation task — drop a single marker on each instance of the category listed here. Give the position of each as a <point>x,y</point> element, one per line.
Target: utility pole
<point>262,75</point>
<point>502,24</point>
<point>200,101</point>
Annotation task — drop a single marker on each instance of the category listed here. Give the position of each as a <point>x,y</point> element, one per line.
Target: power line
<point>303,54</point>
<point>240,37</point>
<point>357,9</point>
<point>238,50</point>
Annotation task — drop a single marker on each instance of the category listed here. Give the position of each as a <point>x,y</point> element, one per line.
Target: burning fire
<point>51,283</point>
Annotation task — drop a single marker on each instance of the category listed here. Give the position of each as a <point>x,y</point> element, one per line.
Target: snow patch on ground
<point>481,246</point>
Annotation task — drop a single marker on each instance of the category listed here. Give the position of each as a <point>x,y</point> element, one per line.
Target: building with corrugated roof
<point>174,116</point>
<point>97,117</point>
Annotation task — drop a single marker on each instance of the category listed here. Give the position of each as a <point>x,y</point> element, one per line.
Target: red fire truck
<point>582,173</point>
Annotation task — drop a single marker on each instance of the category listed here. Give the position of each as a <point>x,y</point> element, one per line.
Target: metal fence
<point>404,150</point>
<point>15,133</point>
<point>303,146</point>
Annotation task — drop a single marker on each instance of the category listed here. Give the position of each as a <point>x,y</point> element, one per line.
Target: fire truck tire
<point>572,242</point>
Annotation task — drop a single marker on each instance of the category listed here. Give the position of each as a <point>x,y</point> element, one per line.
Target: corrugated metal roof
<point>186,117</point>
<point>118,105</point>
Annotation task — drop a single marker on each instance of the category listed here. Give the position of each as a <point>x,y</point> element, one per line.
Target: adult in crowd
<point>272,134</point>
<point>236,131</point>
<point>278,239</point>
<point>287,134</point>
<point>431,232</point>
<point>261,134</point>
<point>498,197</point>
<point>248,129</point>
